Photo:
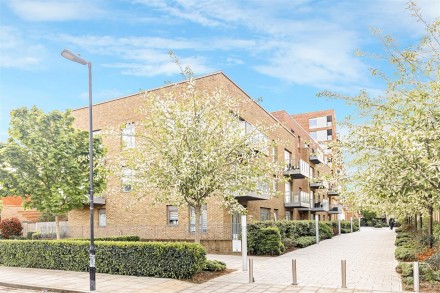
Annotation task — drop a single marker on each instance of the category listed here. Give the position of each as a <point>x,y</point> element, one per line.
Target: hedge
<point>304,241</point>
<point>265,241</point>
<point>156,259</point>
<point>111,238</point>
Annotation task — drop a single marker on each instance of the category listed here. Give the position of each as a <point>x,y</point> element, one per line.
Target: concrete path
<point>370,269</point>
<point>369,255</point>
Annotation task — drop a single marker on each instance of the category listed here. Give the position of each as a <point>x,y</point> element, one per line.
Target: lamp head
<point>73,57</point>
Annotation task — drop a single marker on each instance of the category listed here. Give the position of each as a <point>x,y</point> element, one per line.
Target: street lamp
<point>92,269</point>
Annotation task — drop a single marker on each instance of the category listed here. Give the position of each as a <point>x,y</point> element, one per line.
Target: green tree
<point>394,149</point>
<point>192,146</point>
<point>46,161</point>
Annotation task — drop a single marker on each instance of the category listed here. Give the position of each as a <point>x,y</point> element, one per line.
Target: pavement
<point>370,268</point>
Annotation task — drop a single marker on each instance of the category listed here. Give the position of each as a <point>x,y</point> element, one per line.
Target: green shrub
<point>156,259</point>
<point>36,235</point>
<point>305,241</point>
<point>111,238</point>
<point>378,225</point>
<point>403,235</point>
<point>434,261</point>
<point>325,231</point>
<point>288,243</point>
<point>10,227</point>
<point>267,241</point>
<point>345,230</point>
<point>403,253</point>
<point>214,266</point>
<point>402,241</point>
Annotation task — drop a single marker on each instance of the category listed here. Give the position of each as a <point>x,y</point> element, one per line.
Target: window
<point>275,215</point>
<point>329,134</point>
<point>288,158</point>
<point>299,143</point>
<point>128,136</point>
<point>203,219</point>
<point>329,121</point>
<point>127,178</point>
<point>236,225</point>
<point>264,214</point>
<point>318,122</point>
<point>288,215</point>
<point>313,123</point>
<point>102,218</point>
<point>173,215</point>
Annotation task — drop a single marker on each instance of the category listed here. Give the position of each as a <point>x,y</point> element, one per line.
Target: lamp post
<point>92,269</point>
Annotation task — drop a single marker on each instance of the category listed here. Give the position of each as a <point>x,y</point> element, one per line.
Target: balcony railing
<point>298,172</point>
<point>317,158</point>
<point>333,192</point>
<point>297,199</point>
<point>318,184</point>
<point>97,200</point>
<point>320,206</point>
<point>335,209</point>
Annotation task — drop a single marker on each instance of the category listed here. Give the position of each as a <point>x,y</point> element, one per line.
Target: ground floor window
<point>173,215</point>
<point>203,219</point>
<point>102,218</point>
<point>264,214</point>
<point>275,214</point>
<point>288,215</point>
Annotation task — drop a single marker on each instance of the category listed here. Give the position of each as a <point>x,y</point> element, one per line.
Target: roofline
<point>181,82</point>
<point>150,90</point>
<point>294,120</point>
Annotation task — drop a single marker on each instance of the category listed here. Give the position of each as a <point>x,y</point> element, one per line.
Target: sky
<point>282,51</point>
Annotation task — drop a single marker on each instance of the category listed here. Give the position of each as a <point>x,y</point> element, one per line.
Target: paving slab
<point>370,269</point>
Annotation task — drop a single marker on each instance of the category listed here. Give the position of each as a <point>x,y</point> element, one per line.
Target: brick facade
<point>128,215</point>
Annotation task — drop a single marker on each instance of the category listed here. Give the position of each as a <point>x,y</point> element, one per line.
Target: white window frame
<point>102,218</point>
<point>127,177</point>
<point>172,215</point>
<point>128,135</point>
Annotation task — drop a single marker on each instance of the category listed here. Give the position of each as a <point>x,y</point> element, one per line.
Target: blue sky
<point>284,51</point>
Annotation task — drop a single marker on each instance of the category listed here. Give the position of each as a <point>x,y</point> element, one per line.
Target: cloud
<point>54,10</point>
<point>17,51</point>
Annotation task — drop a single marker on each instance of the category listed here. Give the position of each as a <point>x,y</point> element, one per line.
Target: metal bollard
<point>344,273</point>
<point>294,279</point>
<point>416,276</point>
<point>251,270</point>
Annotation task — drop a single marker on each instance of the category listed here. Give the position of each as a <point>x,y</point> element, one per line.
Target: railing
<point>47,229</point>
<point>335,209</point>
<point>297,199</point>
<point>320,205</point>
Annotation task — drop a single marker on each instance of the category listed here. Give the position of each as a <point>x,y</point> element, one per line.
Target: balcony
<point>320,206</point>
<point>316,158</point>
<point>298,199</point>
<point>333,192</point>
<point>335,209</point>
<point>295,173</point>
<point>252,196</point>
<point>317,184</point>
<point>97,201</point>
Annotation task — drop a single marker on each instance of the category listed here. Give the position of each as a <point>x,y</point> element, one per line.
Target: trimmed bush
<point>266,241</point>
<point>111,238</point>
<point>214,266</point>
<point>403,235</point>
<point>10,227</point>
<point>155,259</point>
<point>325,230</point>
<point>305,241</point>
<point>402,241</point>
<point>403,253</point>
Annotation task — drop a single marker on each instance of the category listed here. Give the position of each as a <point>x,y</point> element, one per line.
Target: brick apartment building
<point>120,213</point>
<point>13,208</point>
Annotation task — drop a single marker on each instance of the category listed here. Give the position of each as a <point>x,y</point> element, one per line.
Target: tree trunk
<point>421,222</point>
<point>415,223</point>
<point>198,211</point>
<point>57,227</point>
<point>431,214</point>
